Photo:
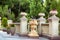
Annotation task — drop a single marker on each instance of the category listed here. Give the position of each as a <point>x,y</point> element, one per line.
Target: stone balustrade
<point>50,28</point>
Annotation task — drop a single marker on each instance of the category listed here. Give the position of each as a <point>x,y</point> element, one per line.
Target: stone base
<point>55,38</point>
<point>35,37</point>
<point>50,37</point>
<point>46,36</point>
<point>23,35</point>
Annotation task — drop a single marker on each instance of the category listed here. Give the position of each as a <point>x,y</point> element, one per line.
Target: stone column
<point>23,24</point>
<point>40,21</point>
<point>53,23</point>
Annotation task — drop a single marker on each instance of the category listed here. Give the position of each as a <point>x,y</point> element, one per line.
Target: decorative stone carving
<point>33,25</point>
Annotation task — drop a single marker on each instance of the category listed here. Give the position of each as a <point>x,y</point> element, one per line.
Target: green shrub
<point>11,16</point>
<point>4,22</point>
<point>12,25</point>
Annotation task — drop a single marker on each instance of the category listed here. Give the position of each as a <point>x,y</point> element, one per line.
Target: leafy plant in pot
<point>4,23</point>
<point>12,29</point>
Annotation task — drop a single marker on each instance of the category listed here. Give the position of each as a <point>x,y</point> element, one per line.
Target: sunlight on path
<point>5,36</point>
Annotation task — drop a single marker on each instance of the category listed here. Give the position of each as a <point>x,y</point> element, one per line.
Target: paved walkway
<point>5,36</point>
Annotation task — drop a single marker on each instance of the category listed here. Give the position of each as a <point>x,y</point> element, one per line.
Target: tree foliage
<point>31,7</point>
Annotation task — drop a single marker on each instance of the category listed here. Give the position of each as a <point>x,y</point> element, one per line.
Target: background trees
<point>12,8</point>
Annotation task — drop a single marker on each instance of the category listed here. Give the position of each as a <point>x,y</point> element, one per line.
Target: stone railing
<point>50,28</point>
<point>17,27</point>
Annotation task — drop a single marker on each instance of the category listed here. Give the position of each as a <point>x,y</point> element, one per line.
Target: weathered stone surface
<point>55,38</point>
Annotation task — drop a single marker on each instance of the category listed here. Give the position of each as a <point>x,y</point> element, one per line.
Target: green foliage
<point>5,10</point>
<point>35,8</point>
<point>24,5</point>
<point>0,8</point>
<point>51,5</point>
<point>55,5</point>
<point>11,16</point>
<point>31,7</point>
<point>58,8</point>
<point>12,25</point>
<point>4,22</point>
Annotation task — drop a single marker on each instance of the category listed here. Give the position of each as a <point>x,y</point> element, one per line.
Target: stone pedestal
<point>23,24</point>
<point>41,20</point>
<point>53,24</point>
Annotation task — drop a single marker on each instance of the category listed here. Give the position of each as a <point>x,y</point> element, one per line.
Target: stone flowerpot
<point>12,30</point>
<point>8,31</point>
<point>4,30</point>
